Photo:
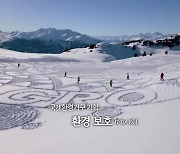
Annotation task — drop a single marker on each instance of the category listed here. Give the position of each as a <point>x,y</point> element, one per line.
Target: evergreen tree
<point>144,54</point>
<point>134,47</point>
<point>135,55</point>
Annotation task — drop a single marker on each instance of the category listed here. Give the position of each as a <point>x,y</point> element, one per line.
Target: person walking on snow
<point>78,79</point>
<point>127,76</point>
<point>65,74</point>
<point>111,82</point>
<point>162,76</point>
<point>18,65</point>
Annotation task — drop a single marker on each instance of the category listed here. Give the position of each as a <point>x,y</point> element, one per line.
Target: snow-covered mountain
<point>48,34</point>
<point>145,36</point>
<point>48,40</point>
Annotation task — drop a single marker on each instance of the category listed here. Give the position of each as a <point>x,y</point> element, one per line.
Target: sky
<point>92,17</point>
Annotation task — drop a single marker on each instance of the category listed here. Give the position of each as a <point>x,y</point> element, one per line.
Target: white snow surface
<point>27,92</point>
<point>116,51</point>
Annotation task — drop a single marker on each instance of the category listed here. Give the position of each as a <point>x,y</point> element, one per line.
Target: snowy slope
<point>78,55</point>
<point>116,51</point>
<point>102,52</point>
<point>29,125</point>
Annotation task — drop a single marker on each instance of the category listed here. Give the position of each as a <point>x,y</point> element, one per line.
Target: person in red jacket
<point>162,76</point>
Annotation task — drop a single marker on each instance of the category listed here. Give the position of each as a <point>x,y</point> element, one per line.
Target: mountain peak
<point>45,40</point>
<point>143,36</point>
<point>48,34</point>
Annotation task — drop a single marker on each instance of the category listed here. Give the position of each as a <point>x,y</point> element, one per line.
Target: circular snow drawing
<point>108,111</point>
<point>131,97</point>
<point>14,115</point>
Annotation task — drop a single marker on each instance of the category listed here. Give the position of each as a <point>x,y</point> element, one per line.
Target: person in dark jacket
<point>65,74</point>
<point>127,76</point>
<point>162,76</point>
<point>78,79</point>
<point>110,83</point>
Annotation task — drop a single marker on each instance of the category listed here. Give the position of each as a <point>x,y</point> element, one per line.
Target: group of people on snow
<point>110,82</point>
<point>78,79</point>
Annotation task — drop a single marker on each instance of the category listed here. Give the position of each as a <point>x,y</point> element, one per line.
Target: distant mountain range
<point>51,40</point>
<point>48,40</point>
<point>145,36</point>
